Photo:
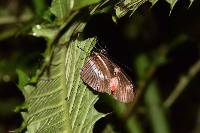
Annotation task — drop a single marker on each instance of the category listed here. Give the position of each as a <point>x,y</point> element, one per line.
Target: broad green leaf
<point>60,102</point>
<point>82,3</point>
<point>124,6</point>
<point>61,8</point>
<point>76,28</point>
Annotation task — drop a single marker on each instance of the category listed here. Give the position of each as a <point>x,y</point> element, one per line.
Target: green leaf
<point>172,3</point>
<point>108,129</point>
<point>124,6</point>
<point>22,78</point>
<point>39,6</point>
<point>155,110</point>
<point>48,16</point>
<point>82,3</point>
<point>133,125</point>
<point>60,101</point>
<point>61,8</point>
<point>153,2</point>
<point>191,1</point>
<point>142,65</point>
<point>44,31</point>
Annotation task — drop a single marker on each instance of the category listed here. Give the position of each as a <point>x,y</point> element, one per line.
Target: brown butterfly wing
<point>98,72</point>
<point>107,68</point>
<point>94,74</point>
<point>125,89</point>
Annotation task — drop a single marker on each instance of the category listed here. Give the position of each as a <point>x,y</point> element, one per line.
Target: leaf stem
<point>50,48</point>
<point>182,84</point>
<point>145,82</point>
<point>155,110</point>
<point>162,51</point>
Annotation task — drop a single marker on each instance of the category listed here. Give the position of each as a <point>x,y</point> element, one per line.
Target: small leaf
<point>155,109</point>
<point>48,16</point>
<point>159,55</point>
<point>61,8</point>
<point>124,6</point>
<point>133,125</point>
<point>43,31</point>
<point>39,6</point>
<point>172,3</point>
<point>60,101</point>
<point>82,3</point>
<point>108,129</point>
<point>142,64</point>
<point>23,78</point>
<point>153,2</point>
<point>191,1</point>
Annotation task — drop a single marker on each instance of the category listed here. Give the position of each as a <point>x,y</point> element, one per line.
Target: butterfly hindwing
<point>125,90</point>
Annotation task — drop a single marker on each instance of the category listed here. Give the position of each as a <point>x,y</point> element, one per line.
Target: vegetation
<point>44,45</point>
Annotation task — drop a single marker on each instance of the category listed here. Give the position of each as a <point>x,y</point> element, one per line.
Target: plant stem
<point>155,110</point>
<point>182,84</point>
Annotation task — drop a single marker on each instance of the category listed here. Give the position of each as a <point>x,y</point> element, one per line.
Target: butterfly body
<point>113,84</point>
<point>101,74</point>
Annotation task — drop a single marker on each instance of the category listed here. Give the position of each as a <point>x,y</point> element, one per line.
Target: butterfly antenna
<point>97,44</point>
<point>103,50</point>
<point>122,65</point>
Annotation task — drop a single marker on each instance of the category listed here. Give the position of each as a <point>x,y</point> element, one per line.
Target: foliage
<point>56,99</point>
<point>60,102</point>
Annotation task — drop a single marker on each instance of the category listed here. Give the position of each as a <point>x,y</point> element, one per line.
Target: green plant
<point>56,99</point>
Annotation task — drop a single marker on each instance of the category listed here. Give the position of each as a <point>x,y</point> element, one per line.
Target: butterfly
<point>102,75</point>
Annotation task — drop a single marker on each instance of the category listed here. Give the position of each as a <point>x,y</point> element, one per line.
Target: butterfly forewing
<point>94,75</point>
